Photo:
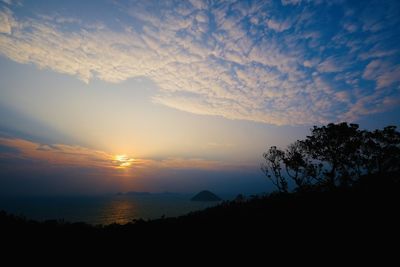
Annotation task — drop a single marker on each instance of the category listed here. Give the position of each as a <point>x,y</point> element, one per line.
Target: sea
<point>103,210</point>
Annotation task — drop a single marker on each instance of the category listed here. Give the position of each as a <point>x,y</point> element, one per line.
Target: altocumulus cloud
<point>289,62</point>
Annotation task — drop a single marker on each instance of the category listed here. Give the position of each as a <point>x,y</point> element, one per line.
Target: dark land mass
<point>205,196</point>
<point>365,211</point>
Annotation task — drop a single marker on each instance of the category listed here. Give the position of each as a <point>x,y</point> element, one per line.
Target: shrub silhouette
<point>335,155</point>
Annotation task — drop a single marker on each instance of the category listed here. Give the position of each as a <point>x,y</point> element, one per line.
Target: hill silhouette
<point>205,195</point>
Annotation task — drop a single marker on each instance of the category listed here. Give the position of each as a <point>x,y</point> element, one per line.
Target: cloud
<point>370,104</point>
<point>333,64</point>
<point>62,155</point>
<point>382,72</point>
<point>290,2</point>
<point>307,63</point>
<point>12,2</point>
<point>237,60</point>
<point>57,154</point>
<point>350,27</point>
<point>343,96</point>
<point>6,21</point>
<point>279,26</point>
<point>378,51</point>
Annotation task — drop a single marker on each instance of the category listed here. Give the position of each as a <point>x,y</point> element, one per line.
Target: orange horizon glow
<point>78,156</point>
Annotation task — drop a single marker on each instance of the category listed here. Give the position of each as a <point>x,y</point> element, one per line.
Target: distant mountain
<point>205,196</point>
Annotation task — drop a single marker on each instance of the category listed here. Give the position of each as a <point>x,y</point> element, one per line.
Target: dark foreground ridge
<point>369,208</point>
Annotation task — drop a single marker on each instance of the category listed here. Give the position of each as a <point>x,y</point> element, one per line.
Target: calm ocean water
<point>102,210</point>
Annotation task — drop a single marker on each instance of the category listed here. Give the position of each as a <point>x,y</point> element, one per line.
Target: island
<point>205,195</point>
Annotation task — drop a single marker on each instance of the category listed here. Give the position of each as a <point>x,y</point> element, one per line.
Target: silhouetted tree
<point>335,146</point>
<point>295,164</point>
<point>333,155</point>
<point>272,168</point>
<point>386,153</point>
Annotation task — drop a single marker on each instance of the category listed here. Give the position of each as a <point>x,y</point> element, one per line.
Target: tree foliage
<point>333,155</point>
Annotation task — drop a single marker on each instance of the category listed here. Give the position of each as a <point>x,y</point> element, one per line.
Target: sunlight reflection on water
<point>119,210</point>
<point>102,210</point>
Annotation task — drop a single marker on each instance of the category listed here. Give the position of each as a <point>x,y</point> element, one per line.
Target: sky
<point>107,96</point>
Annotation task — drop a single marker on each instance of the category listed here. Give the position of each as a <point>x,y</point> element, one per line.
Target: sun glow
<point>122,161</point>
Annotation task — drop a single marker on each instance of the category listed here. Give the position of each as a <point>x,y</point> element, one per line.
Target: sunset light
<point>178,94</point>
<point>156,101</point>
<point>123,161</point>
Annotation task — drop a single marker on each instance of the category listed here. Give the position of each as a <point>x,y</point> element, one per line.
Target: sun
<point>123,161</point>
